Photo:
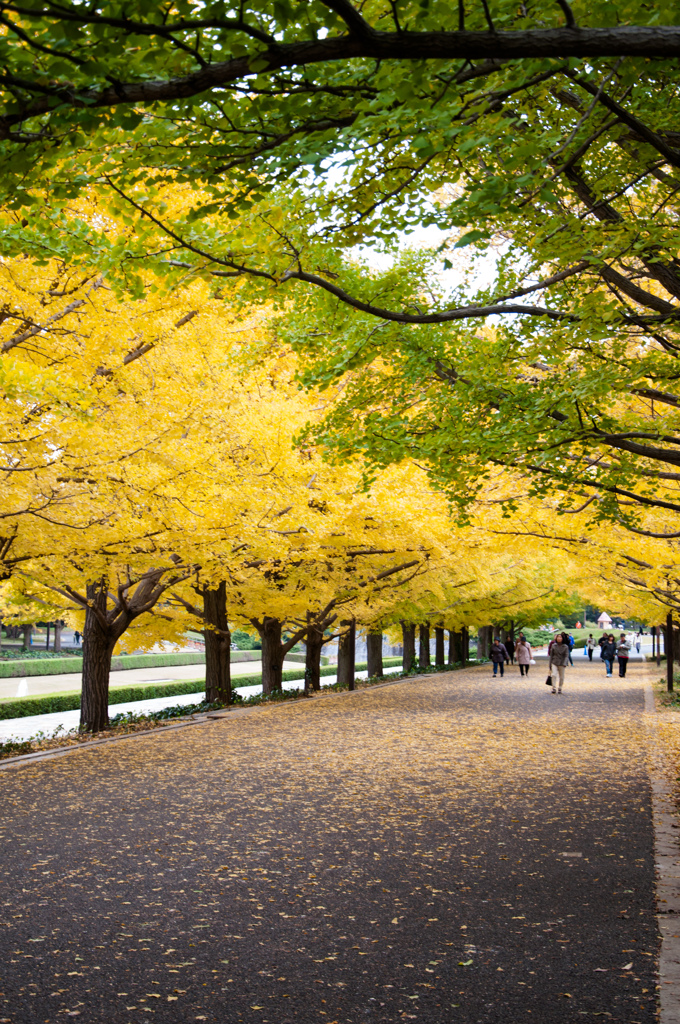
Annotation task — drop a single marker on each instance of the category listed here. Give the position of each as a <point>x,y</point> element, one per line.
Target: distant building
<point>604,622</point>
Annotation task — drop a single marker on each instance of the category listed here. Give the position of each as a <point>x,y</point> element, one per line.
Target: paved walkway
<point>448,849</point>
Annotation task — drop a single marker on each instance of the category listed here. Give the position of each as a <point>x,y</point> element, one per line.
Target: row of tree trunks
<point>459,646</point>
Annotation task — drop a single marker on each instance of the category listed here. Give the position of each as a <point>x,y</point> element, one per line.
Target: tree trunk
<point>374,645</point>
<point>58,626</point>
<point>658,646</point>
<point>455,647</point>
<point>272,655</point>
<point>484,641</point>
<point>439,647</point>
<point>98,647</point>
<point>347,654</point>
<point>314,646</point>
<point>465,644</point>
<point>511,631</point>
<point>27,630</point>
<point>408,633</point>
<point>669,652</point>
<point>424,651</point>
<point>47,638</point>
<point>217,645</point>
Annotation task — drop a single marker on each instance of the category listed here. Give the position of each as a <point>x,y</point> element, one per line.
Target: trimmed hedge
<point>22,707</point>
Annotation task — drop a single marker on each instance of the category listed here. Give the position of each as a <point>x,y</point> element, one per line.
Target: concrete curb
<point>667,859</point>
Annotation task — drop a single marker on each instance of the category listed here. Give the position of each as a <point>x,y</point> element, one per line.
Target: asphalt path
<point>452,849</point>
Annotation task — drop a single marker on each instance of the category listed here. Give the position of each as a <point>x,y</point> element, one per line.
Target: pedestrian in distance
<point>510,648</point>
<point>569,640</point>
<point>76,637</point>
<point>524,656</point>
<point>558,661</point>
<point>638,641</point>
<point>499,656</point>
<point>591,643</point>
<point>609,653</point>
<point>623,654</point>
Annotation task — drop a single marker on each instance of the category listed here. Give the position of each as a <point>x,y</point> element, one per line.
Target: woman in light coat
<point>524,656</point>
<point>558,660</point>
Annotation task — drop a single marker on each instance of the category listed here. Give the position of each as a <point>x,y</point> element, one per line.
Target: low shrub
<point>18,653</point>
<point>12,748</point>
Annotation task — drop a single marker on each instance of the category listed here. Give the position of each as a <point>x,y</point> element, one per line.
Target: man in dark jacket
<point>609,653</point>
<point>510,648</point>
<point>499,656</point>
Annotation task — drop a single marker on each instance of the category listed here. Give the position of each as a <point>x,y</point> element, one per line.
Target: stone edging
<point>667,860</point>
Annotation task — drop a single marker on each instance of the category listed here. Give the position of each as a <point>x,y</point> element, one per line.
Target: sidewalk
<point>452,849</point>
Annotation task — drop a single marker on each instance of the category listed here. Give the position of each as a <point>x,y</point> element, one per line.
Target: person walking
<point>591,643</point>
<point>524,656</point>
<point>558,661</point>
<point>638,641</point>
<point>623,653</point>
<point>609,653</point>
<point>499,656</point>
<point>569,640</point>
<point>511,649</point>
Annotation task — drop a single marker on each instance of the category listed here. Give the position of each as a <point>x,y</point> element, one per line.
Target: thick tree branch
<point>614,41</point>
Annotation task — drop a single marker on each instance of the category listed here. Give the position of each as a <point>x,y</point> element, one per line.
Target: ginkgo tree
<point>164,457</point>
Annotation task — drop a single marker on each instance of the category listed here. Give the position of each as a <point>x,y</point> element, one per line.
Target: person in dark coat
<point>569,641</point>
<point>609,653</point>
<point>510,648</point>
<point>499,656</point>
